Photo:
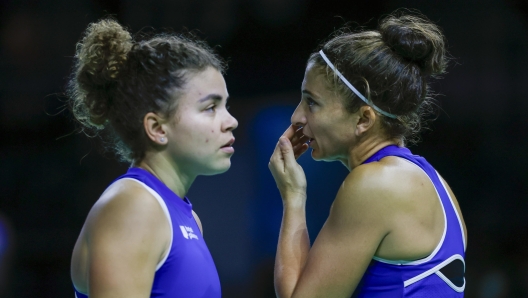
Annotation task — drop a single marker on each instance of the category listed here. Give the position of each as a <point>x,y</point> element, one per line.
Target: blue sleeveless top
<point>441,274</point>
<point>188,270</point>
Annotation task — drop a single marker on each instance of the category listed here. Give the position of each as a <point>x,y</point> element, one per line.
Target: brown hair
<point>117,81</point>
<point>391,67</point>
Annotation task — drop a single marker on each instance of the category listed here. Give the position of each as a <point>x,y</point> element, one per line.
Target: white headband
<point>370,103</point>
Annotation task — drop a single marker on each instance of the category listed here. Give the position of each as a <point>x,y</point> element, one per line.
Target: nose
<point>298,118</point>
<point>230,123</point>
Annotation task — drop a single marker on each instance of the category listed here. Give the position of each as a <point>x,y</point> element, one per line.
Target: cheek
<point>319,128</point>
<point>207,138</point>
<point>327,134</point>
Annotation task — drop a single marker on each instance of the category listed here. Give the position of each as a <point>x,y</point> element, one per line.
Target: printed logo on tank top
<point>188,233</point>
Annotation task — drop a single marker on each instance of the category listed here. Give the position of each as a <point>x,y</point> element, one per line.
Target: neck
<point>167,172</point>
<point>366,149</point>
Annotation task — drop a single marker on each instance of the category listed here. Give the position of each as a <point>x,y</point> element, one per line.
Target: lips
<point>230,143</point>
<point>228,148</point>
<point>310,139</point>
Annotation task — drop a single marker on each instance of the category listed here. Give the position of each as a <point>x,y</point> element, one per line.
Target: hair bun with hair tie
<point>416,39</point>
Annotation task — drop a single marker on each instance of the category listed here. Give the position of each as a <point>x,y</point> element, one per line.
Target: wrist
<point>294,199</point>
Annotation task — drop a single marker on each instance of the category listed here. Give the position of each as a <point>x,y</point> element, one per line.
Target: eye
<point>211,108</point>
<point>310,102</point>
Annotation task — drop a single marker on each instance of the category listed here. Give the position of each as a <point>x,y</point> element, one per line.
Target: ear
<point>366,120</point>
<point>155,128</point>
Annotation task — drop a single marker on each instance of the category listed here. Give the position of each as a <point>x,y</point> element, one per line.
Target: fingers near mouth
<point>299,138</point>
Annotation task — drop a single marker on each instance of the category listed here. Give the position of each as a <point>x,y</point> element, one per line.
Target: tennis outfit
<point>188,270</point>
<point>441,274</point>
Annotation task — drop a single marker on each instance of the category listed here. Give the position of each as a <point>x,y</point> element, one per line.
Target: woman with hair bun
<point>162,104</point>
<point>395,228</point>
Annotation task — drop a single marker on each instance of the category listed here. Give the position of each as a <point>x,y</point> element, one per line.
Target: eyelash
<point>213,108</point>
<point>310,102</point>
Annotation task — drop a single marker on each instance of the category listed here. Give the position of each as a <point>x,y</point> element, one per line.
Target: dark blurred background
<point>51,176</point>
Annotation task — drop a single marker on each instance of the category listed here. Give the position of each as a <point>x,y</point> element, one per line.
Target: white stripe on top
<point>165,211</point>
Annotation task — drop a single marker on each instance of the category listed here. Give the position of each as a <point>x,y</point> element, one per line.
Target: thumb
<point>286,150</point>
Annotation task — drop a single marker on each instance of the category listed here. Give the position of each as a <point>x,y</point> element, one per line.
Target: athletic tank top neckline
<point>378,155</point>
<point>188,269</point>
<point>184,202</point>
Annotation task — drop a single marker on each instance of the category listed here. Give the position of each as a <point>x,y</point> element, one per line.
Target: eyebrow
<point>304,91</point>
<point>213,96</point>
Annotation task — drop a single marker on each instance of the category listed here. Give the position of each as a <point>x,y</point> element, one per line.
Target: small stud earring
<point>162,140</point>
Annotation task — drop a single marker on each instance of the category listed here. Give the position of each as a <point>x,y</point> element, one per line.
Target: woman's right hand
<point>288,174</point>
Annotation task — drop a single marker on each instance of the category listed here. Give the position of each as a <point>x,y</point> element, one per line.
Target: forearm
<point>292,249</point>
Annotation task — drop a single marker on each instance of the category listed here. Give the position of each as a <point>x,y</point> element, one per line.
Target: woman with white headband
<point>395,228</point>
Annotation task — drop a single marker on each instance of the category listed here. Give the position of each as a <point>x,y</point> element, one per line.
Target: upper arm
<point>126,239</point>
<point>346,243</point>
<point>198,222</point>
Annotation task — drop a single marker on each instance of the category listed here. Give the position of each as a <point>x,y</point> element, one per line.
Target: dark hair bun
<point>101,56</point>
<point>415,39</point>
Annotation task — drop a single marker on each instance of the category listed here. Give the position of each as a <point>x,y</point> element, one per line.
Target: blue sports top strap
<point>391,150</point>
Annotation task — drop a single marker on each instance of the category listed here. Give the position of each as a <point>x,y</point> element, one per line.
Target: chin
<point>316,156</point>
<point>218,169</point>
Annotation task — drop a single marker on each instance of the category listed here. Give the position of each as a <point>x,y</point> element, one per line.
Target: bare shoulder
<point>127,215</point>
<point>368,183</point>
<point>124,237</point>
<point>364,197</point>
<point>125,202</point>
<point>373,191</point>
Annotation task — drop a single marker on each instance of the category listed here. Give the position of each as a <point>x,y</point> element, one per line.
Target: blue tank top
<point>441,274</point>
<point>188,270</point>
